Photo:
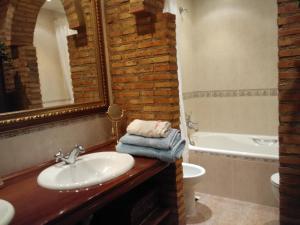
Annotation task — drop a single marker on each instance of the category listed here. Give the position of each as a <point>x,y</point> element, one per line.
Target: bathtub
<point>237,166</point>
<point>264,147</point>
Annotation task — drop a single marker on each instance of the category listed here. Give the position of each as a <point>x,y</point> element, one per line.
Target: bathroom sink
<point>7,212</point>
<point>88,170</point>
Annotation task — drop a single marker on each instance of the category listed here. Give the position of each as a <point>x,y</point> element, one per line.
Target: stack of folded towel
<point>155,139</point>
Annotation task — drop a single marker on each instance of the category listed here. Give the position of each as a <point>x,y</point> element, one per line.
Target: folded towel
<point>149,128</point>
<point>166,143</point>
<point>166,155</point>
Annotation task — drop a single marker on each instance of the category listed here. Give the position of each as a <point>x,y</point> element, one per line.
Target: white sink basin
<point>88,170</point>
<point>7,212</point>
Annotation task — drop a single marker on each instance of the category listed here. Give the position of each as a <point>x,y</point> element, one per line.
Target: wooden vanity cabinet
<point>142,205</point>
<point>148,194</point>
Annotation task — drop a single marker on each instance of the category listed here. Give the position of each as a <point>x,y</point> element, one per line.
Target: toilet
<point>275,185</point>
<point>191,176</point>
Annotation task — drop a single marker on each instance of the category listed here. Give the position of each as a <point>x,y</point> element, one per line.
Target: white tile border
<point>231,93</point>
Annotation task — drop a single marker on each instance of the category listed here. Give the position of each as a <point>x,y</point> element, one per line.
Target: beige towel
<point>149,128</point>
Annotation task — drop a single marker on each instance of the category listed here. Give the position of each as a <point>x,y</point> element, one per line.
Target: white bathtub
<point>264,147</point>
<point>237,166</point>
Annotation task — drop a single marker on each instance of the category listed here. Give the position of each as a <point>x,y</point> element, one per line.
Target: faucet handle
<point>80,148</point>
<point>58,156</point>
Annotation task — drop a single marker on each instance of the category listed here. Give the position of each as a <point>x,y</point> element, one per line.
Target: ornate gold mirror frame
<point>21,119</point>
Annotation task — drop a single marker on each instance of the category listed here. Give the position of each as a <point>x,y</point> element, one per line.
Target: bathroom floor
<point>215,210</point>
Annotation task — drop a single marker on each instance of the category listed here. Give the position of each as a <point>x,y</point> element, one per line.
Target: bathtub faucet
<point>190,124</point>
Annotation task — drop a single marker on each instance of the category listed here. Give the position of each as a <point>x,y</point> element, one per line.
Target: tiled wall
<point>236,177</point>
<point>235,114</point>
<point>229,65</point>
<point>33,146</point>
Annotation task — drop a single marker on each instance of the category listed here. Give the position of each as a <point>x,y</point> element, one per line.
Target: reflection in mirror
<point>50,41</point>
<point>36,84</point>
<point>47,64</point>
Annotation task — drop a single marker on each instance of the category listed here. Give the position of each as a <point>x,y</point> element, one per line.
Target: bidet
<point>275,180</point>
<point>191,176</point>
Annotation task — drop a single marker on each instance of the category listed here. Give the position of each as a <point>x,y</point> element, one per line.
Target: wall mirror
<point>52,61</point>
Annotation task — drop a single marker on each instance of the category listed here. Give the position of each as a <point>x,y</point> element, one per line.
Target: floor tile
<point>215,210</point>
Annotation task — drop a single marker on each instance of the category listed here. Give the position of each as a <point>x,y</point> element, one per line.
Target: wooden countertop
<point>36,205</point>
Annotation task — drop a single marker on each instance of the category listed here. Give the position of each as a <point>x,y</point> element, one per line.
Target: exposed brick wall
<point>6,14</point>
<point>24,17</point>
<point>143,66</point>
<point>82,51</point>
<point>26,65</point>
<point>22,29</point>
<point>17,28</point>
<point>3,12</point>
<point>289,109</point>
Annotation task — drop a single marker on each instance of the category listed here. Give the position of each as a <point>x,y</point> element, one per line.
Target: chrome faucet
<point>190,124</point>
<point>71,157</point>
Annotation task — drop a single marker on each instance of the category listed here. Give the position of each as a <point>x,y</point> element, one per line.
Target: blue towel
<point>166,143</point>
<point>163,155</point>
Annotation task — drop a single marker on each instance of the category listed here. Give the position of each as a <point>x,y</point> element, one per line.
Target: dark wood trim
<point>100,45</point>
<point>30,118</point>
<point>156,217</point>
<point>21,119</point>
<point>2,88</point>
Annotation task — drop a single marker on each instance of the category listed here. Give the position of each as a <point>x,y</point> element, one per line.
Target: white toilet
<point>191,176</point>
<point>275,185</point>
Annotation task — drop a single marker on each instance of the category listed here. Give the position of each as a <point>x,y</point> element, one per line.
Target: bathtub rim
<point>230,152</point>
